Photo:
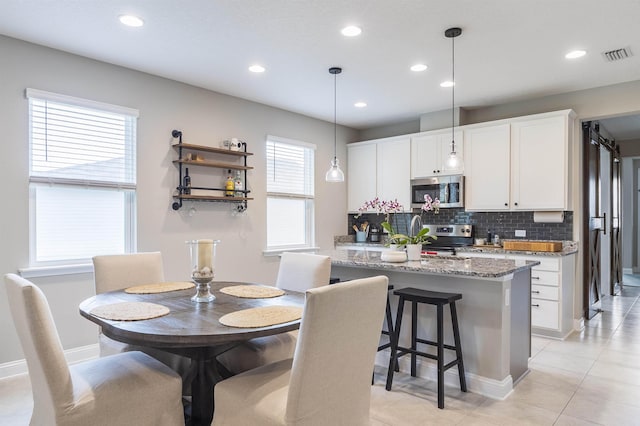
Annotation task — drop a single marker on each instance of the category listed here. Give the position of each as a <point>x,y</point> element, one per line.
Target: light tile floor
<point>591,378</point>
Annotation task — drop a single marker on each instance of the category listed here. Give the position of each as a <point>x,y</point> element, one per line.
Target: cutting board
<point>532,245</point>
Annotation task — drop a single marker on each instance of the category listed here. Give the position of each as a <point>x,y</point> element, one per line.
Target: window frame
<point>83,265</point>
<point>309,200</point>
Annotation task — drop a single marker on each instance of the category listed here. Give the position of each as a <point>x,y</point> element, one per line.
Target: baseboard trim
<point>628,271</point>
<point>72,356</point>
<point>491,388</point>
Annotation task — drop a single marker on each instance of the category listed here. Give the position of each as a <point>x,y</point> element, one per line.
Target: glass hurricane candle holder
<point>203,261</point>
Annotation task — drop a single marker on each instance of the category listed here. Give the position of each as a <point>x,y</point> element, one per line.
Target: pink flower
<point>430,204</point>
<point>381,206</point>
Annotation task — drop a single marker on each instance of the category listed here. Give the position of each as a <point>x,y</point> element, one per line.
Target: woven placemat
<point>263,316</point>
<point>252,291</point>
<point>130,311</point>
<point>159,287</point>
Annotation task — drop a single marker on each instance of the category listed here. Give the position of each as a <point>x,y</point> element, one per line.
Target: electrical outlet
<point>521,233</point>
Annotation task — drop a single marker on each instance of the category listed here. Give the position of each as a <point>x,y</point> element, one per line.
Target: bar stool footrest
<point>429,342</point>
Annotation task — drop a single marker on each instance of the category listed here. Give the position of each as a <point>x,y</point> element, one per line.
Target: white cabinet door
<point>487,171</point>
<point>445,150</point>
<point>539,152</point>
<point>394,177</point>
<point>425,157</point>
<point>361,174</point>
<point>430,154</point>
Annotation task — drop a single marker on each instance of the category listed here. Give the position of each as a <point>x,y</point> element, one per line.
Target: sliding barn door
<point>595,222</point>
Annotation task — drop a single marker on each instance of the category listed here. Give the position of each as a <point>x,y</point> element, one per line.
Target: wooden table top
<point>189,324</point>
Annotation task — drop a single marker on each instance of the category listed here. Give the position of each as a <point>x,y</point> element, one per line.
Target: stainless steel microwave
<point>448,189</point>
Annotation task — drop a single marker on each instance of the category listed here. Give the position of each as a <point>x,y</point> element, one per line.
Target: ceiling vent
<point>617,54</point>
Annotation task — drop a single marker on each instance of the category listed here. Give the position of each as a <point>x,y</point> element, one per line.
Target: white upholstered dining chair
<point>119,271</point>
<point>297,272</point>
<point>124,389</point>
<point>328,381</point>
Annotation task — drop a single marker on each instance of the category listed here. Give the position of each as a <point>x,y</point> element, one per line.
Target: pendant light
<point>335,174</point>
<point>454,160</point>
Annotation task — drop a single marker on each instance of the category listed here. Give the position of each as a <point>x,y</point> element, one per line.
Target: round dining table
<point>193,330</point>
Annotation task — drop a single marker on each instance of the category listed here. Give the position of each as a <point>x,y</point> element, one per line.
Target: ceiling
<point>508,51</point>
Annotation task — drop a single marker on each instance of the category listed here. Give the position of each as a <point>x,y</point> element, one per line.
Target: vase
<point>203,262</point>
<point>413,251</point>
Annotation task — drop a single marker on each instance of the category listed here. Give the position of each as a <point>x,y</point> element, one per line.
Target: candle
<point>205,252</point>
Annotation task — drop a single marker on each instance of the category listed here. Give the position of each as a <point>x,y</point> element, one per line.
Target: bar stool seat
<point>439,299</point>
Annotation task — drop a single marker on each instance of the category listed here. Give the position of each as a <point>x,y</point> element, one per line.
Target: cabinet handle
<point>506,204</point>
<point>535,291</point>
<point>434,171</point>
<point>535,305</point>
<point>534,278</point>
<point>437,171</point>
<point>516,204</point>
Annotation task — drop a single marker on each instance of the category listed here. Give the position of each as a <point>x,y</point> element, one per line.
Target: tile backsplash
<point>502,223</point>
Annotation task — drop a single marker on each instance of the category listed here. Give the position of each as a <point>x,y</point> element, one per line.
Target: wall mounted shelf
<point>184,192</point>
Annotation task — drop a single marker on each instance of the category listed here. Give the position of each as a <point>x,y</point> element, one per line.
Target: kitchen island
<point>494,313</point>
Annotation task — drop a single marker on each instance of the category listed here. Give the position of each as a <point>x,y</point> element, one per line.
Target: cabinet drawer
<point>544,292</point>
<point>546,263</point>
<point>544,277</point>
<point>544,313</point>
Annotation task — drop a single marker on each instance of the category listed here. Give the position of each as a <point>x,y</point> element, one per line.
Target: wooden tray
<point>532,245</point>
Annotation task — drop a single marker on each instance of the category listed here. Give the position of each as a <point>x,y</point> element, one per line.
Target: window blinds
<point>71,140</point>
<point>289,167</point>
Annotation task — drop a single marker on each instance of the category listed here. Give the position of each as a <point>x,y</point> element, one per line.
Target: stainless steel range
<point>450,237</point>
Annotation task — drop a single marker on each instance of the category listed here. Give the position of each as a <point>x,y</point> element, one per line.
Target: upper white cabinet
<point>487,172</point>
<point>539,160</point>
<point>520,164</point>
<point>379,169</point>
<point>430,154</point>
<point>361,174</point>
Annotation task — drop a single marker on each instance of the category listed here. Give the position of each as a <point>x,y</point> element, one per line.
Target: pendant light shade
<point>335,174</point>
<point>454,160</point>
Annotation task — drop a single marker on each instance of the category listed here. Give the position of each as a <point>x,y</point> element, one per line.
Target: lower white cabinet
<point>545,314</point>
<point>552,283</point>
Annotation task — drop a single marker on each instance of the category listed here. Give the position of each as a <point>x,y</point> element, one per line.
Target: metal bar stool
<point>415,296</point>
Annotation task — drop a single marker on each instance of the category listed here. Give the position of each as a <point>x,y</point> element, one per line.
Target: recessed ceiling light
<point>447,84</point>
<point>351,31</point>
<point>418,67</point>
<point>575,54</point>
<point>256,68</point>
<point>131,21</point>
<point>360,104</point>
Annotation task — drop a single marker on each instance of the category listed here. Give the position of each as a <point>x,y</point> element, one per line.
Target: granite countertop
<point>444,265</point>
<point>568,247</point>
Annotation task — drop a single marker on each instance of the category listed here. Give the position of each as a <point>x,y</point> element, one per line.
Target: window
<point>82,179</point>
<point>290,194</point>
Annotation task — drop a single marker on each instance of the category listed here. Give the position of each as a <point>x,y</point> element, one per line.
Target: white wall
<point>205,118</point>
<point>630,151</point>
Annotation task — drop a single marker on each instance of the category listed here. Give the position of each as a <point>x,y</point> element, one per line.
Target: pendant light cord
<point>453,92</point>
<point>335,126</point>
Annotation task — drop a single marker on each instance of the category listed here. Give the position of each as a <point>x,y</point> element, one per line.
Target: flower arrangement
<point>401,239</point>
<point>381,206</point>
<point>431,204</point>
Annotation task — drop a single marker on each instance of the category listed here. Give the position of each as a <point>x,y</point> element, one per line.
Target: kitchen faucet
<point>414,219</point>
